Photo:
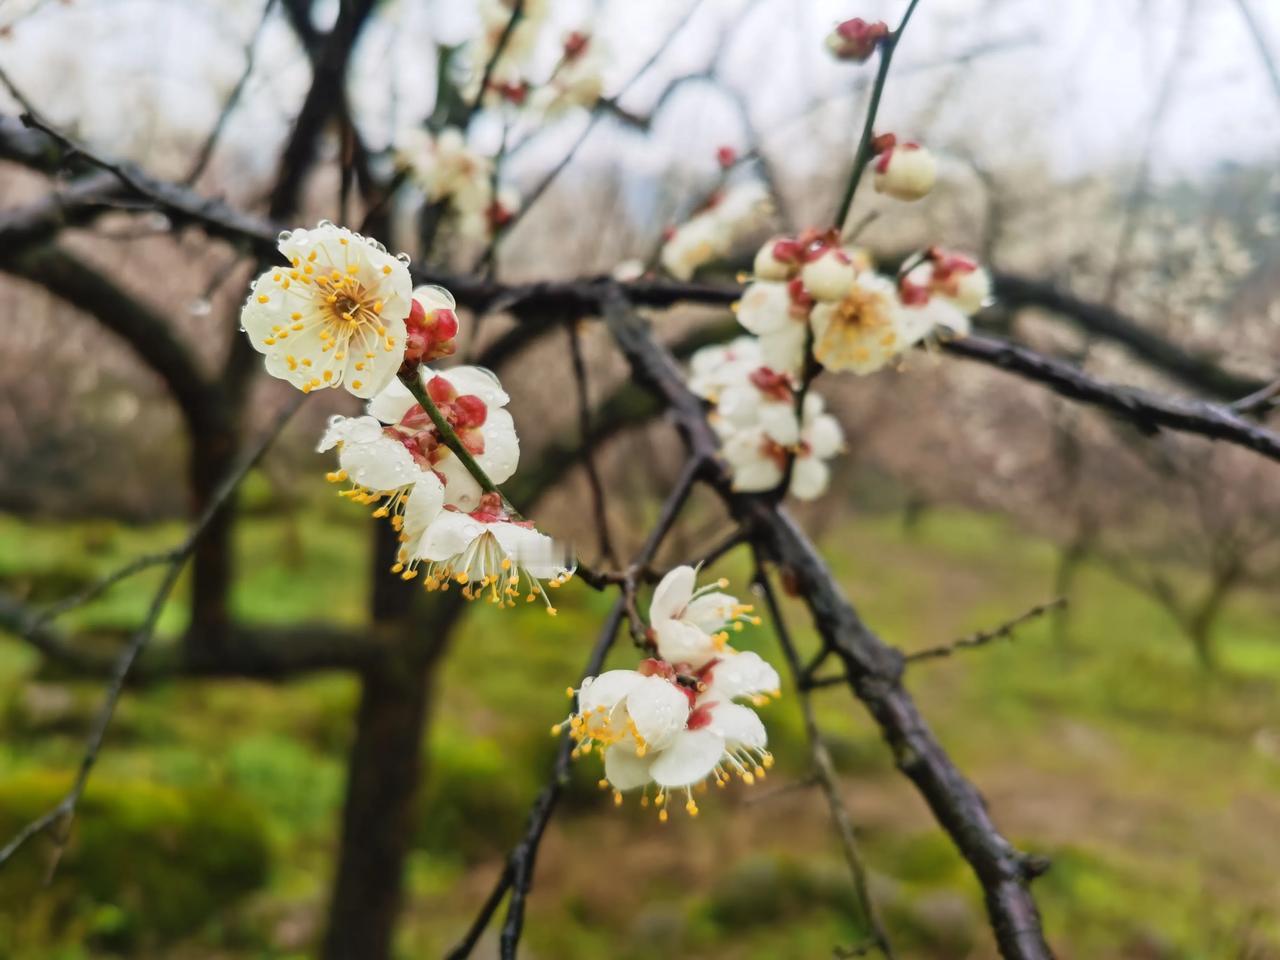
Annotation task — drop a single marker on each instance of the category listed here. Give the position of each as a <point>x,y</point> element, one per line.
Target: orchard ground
<point>209,827</point>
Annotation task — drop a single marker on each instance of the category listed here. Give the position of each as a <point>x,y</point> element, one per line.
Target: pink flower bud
<point>855,40</point>
<point>726,157</point>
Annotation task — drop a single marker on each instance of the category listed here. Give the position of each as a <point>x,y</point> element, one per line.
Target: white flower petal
<point>689,759</point>
<point>680,642</point>
<point>765,307</point>
<point>476,381</point>
<point>744,674</point>
<point>810,478</point>
<point>738,725</point>
<point>607,690</point>
<point>659,709</point>
<point>461,490</point>
<point>710,611</point>
<point>424,503</point>
<point>448,535</point>
<point>501,446</point>
<point>624,769</point>
<point>392,403</point>
<point>672,594</point>
<point>381,464</point>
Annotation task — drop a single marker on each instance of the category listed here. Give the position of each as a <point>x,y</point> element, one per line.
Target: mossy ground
<point>1154,788</point>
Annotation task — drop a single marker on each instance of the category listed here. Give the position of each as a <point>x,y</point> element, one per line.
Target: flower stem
<point>863,155</point>
<point>450,437</point>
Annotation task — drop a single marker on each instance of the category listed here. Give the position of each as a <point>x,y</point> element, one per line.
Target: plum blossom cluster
<point>674,723</point>
<point>344,313</point>
<point>814,301</point>
<point>459,178</point>
<point>728,215</point>
<point>576,79</point>
<point>452,173</point>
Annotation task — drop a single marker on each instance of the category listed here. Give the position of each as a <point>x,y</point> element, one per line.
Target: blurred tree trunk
<point>385,765</point>
<point>212,459</point>
<point>1201,623</point>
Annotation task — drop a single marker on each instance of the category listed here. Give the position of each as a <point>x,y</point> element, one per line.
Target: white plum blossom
<point>866,329</point>
<point>777,312</point>
<point>716,738</point>
<point>690,626</point>
<point>448,171</point>
<point>335,316</point>
<point>715,368</point>
<point>578,79</point>
<point>759,462</point>
<point>950,277</point>
<point>488,554</point>
<point>632,710</point>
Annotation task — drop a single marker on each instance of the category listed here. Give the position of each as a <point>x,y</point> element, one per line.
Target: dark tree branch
<point>824,772</point>
<point>1148,411</point>
<point>874,669</point>
<point>1190,367</point>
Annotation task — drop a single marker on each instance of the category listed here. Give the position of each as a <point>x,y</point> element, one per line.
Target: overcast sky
<point>1077,80</point>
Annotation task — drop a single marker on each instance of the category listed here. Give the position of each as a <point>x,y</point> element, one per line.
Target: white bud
<point>971,290</point>
<point>767,266</point>
<point>829,277</point>
<point>905,172</point>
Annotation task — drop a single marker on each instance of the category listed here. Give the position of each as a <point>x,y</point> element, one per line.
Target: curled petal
<point>738,726</point>
<point>672,594</point>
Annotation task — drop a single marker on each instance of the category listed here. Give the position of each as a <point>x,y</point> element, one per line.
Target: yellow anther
<point>409,574</point>
<point>617,798</point>
<point>551,611</point>
<point>263,298</point>
<point>691,807</point>
<point>386,268</point>
<point>555,730</point>
<point>381,512</point>
<point>568,692</point>
<point>356,384</point>
<point>462,578</point>
<point>662,816</point>
<point>397,567</point>
<point>328,375</point>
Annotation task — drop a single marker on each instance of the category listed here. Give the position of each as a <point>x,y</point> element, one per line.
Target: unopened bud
<point>829,277</point>
<point>726,157</point>
<point>855,40</point>
<point>905,171</point>
<point>777,259</point>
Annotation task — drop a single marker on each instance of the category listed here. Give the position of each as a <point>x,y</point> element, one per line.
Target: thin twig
<point>824,772</point>
<point>1004,631</point>
<point>60,815</point>
<point>1259,400</point>
<point>205,153</point>
<point>862,156</point>
<point>517,874</point>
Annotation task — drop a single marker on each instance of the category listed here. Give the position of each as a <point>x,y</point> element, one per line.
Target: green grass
<point>1154,788</point>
